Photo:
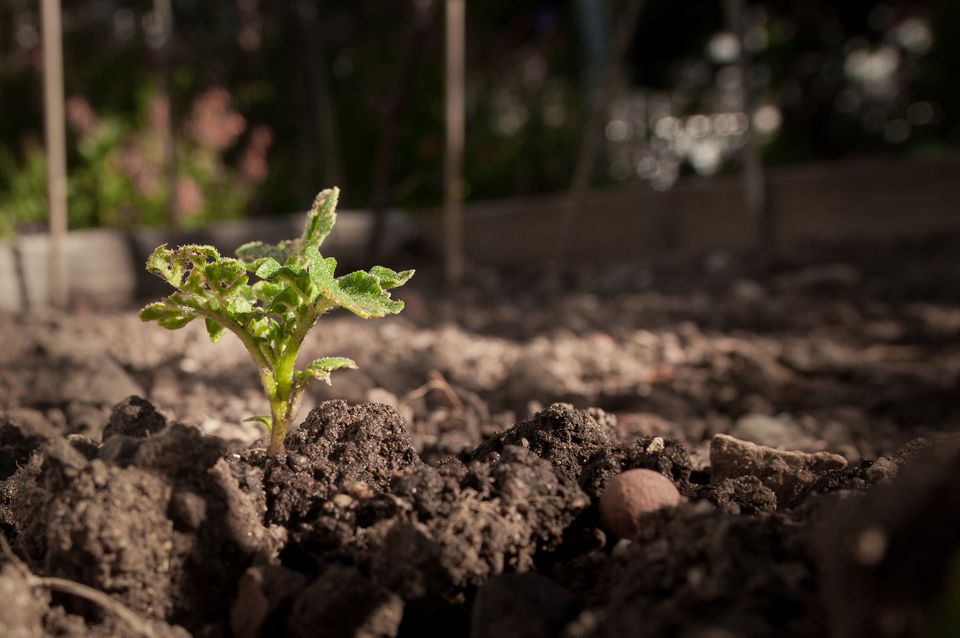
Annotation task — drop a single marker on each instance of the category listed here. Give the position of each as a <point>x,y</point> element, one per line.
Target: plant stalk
<point>278,431</point>
<point>282,405</point>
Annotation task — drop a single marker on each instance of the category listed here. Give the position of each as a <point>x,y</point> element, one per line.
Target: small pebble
<point>343,501</point>
<point>632,494</point>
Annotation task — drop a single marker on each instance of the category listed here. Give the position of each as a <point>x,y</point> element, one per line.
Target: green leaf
<point>267,421</point>
<point>214,329</point>
<point>168,315</point>
<point>321,218</point>
<point>166,264</point>
<point>268,268</point>
<point>391,278</point>
<point>239,305</point>
<point>361,293</point>
<point>176,322</point>
<point>199,253</point>
<point>153,312</point>
<point>263,329</point>
<point>287,299</point>
<point>253,254</point>
<point>320,270</point>
<point>321,368</point>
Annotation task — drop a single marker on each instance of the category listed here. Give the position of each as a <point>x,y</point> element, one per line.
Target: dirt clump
<point>16,446</point>
<point>874,581</point>
<point>466,525</point>
<point>21,614</point>
<point>695,571</point>
<point>345,604</point>
<point>521,605</point>
<point>134,416</point>
<point>560,434</point>
<point>196,529</point>
<point>338,445</point>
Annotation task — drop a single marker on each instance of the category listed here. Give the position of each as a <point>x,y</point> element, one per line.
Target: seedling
<point>295,286</point>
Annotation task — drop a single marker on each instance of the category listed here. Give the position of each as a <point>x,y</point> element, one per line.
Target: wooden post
<point>453,155</point>
<point>55,128</point>
<point>754,176</point>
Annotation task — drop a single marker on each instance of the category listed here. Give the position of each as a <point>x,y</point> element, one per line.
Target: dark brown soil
<point>451,494</point>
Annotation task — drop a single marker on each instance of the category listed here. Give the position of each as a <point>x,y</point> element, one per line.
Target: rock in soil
<point>631,495</point>
<point>786,473</point>
<point>663,455</point>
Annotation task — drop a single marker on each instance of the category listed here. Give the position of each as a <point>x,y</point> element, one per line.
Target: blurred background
<point>180,114</point>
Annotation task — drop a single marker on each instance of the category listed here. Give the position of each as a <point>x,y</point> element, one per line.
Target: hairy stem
<point>278,431</point>
<point>282,400</point>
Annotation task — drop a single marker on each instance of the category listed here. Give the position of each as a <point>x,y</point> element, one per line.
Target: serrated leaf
<point>321,218</point>
<point>320,270</point>
<point>321,368</point>
<point>166,264</point>
<point>361,293</point>
<point>214,329</point>
<point>391,278</point>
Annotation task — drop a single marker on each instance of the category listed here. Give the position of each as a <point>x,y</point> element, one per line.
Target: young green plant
<point>295,285</point>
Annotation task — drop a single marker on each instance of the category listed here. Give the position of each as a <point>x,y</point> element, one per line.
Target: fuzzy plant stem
<point>283,391</point>
<point>281,409</point>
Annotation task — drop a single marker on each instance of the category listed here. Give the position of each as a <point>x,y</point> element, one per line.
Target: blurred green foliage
<point>119,172</point>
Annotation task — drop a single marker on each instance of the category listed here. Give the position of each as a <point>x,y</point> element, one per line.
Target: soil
<point>805,408</point>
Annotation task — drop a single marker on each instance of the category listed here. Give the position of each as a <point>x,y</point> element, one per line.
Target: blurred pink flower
<point>212,122</point>
<point>189,197</point>
<point>145,173</point>
<point>158,111</point>
<point>80,115</point>
<point>253,162</point>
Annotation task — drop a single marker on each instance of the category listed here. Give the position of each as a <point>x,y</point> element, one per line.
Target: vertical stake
<point>55,129</point>
<point>453,155</point>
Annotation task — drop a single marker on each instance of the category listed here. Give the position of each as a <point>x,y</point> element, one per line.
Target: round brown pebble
<point>632,494</point>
